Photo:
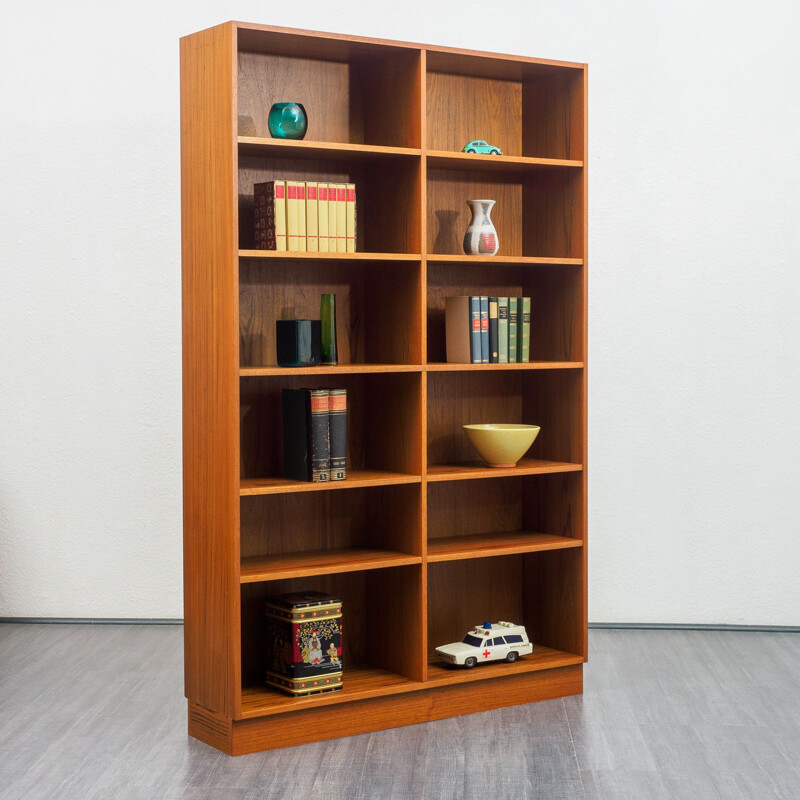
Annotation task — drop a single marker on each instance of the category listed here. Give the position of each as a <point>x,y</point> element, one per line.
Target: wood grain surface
<point>557,322</point>
<point>291,524</point>
<point>376,606</point>
<point>449,215</point>
<point>210,370</point>
<point>519,165</point>
<point>360,716</point>
<point>462,108</point>
<point>383,422</point>
<point>356,479</point>
<point>375,302</point>
<point>320,562</point>
<point>423,540</point>
<point>485,545</point>
<point>387,195</point>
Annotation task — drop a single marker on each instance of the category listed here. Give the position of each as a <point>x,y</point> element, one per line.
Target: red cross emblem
<point>486,653</point>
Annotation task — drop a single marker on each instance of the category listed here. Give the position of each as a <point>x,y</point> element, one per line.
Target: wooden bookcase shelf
<point>320,562</point>
<point>472,470</point>
<point>483,545</point>
<point>445,367</point>
<point>336,151</point>
<point>441,159</point>
<point>500,260</point>
<point>271,255</point>
<point>339,369</point>
<point>363,682</point>
<point>356,478</point>
<point>422,541</point>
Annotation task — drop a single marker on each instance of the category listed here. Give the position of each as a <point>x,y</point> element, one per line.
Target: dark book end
<point>306,447</point>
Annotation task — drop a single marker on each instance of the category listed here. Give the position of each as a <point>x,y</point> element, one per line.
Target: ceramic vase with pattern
<point>481,236</point>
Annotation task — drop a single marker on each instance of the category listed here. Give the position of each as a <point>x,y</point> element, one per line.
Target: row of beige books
<point>305,216</point>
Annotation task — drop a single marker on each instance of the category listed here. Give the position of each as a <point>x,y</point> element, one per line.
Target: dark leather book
<point>269,208</point>
<point>524,330</point>
<point>337,425</point>
<point>493,343</point>
<point>502,330</point>
<point>513,328</point>
<point>475,326</point>
<point>306,446</point>
<point>484,329</point>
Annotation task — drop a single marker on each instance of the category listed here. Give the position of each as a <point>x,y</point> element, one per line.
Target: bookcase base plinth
<point>239,737</point>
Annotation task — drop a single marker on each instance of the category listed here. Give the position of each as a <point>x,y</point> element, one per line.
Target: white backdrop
<point>694,293</point>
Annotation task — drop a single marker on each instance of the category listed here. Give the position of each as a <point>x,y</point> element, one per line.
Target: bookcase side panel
<point>584,103</point>
<point>210,370</point>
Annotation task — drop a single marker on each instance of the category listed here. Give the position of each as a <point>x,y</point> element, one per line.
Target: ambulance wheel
<point>512,657</point>
<point>470,662</point>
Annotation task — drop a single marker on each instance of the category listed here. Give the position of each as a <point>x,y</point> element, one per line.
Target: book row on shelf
<point>305,216</point>
<point>488,330</point>
<point>315,434</point>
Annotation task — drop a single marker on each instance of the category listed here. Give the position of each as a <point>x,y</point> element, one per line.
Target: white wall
<point>694,258</point>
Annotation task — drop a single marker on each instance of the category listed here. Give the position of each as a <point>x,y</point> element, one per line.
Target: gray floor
<point>97,712</point>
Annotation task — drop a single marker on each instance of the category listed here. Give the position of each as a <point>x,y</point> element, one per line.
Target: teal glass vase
<point>287,121</point>
<point>327,313</point>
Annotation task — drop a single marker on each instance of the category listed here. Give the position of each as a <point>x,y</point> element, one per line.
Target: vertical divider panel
<point>422,639</point>
<point>210,370</point>
<point>237,526</point>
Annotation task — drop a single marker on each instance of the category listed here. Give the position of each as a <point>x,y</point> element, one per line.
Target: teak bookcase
<point>422,541</point>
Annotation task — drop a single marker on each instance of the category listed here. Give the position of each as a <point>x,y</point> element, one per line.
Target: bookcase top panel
<point>339,47</point>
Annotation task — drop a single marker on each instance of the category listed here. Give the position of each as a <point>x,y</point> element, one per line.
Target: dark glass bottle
<point>327,314</point>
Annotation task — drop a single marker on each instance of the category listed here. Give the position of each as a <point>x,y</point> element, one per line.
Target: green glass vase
<point>287,121</point>
<point>327,313</point>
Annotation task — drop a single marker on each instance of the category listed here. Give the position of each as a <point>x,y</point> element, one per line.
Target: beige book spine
<point>312,225</point>
<point>350,214</point>
<point>341,218</point>
<point>292,213</point>
<point>332,217</point>
<point>322,216</point>
<point>301,216</point>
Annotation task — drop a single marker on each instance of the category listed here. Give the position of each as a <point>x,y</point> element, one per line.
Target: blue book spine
<point>475,327</point>
<point>485,351</point>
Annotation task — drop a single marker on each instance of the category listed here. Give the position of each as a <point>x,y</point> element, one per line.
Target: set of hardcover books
<point>305,216</point>
<point>488,330</point>
<point>315,434</point>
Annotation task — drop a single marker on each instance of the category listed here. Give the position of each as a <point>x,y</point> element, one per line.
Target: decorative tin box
<point>304,641</point>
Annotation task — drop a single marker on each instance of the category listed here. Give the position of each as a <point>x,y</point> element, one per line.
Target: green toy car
<point>480,146</point>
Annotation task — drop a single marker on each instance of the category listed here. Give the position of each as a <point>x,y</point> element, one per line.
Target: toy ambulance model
<point>492,641</point>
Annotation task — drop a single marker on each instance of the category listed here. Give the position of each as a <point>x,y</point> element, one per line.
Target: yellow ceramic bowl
<point>502,444</point>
